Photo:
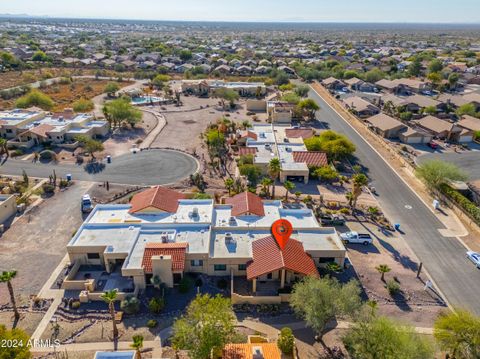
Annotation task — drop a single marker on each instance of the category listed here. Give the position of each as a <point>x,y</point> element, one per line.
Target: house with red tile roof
<point>162,233</point>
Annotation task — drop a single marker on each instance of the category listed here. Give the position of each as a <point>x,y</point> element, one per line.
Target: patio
<point>103,280</point>
<point>244,287</point>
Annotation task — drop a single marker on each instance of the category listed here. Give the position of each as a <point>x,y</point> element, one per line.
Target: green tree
<point>435,66</point>
<point>374,75</point>
<point>382,269</point>
<point>336,146</point>
<point>35,98</point>
<point>274,168</point>
<point>4,147</point>
<point>90,145</point>
<point>229,185</point>
<point>227,95</point>
<point>185,55</point>
<point>435,77</point>
<point>137,345</point>
<point>319,301</point>
<point>415,68</point>
<point>326,173</point>
<point>39,56</point>
<point>458,333</point>
<point>207,326</point>
<point>121,110</point>
<point>159,81</point>
<point>156,305</point>
<point>430,110</point>
<point>453,80</point>
<point>289,186</point>
<point>266,183</point>
<point>359,181</point>
<point>83,105</point>
<point>466,109</point>
<point>11,351</point>
<point>382,338</point>
<point>7,277</point>
<point>436,172</point>
<point>308,108</point>
<point>110,297</point>
<point>111,88</point>
<point>252,172</point>
<point>302,90</point>
<point>286,341</point>
<point>290,97</point>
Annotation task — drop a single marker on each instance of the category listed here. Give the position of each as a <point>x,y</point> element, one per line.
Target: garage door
<point>295,178</point>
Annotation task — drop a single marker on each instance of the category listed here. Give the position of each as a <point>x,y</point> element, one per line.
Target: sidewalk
<point>161,123</point>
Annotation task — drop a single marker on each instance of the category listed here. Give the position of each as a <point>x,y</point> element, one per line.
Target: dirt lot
<point>64,95</point>
<point>415,305</point>
<point>28,321</point>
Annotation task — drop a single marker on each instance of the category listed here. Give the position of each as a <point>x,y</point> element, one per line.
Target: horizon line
<point>27,16</point>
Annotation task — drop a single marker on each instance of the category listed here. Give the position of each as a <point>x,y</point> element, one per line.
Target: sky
<point>403,11</point>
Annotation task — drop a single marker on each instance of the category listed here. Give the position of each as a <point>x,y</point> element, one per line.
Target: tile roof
<point>311,158</point>
<point>159,197</point>
<point>247,151</point>
<point>246,203</point>
<point>245,351</point>
<point>267,257</point>
<point>41,130</point>
<point>176,250</point>
<point>299,132</point>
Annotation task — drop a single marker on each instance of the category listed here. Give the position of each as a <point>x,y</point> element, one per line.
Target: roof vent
<point>195,212</point>
<point>257,353</point>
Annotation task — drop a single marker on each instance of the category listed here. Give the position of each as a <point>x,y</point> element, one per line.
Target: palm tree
<point>137,345</point>
<point>266,183</point>
<point>349,197</point>
<point>110,297</point>
<point>297,196</point>
<point>274,168</point>
<point>288,187</point>
<point>383,268</point>
<point>359,181</point>
<point>6,277</point>
<point>229,182</point>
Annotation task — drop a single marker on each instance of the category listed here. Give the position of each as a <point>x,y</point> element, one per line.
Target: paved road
<point>150,167</point>
<point>468,161</point>
<point>443,257</point>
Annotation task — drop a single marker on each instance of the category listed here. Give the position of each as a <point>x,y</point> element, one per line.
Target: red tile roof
<point>299,132</point>
<point>159,197</point>
<point>247,151</point>
<point>250,134</point>
<point>41,130</point>
<point>176,250</point>
<point>267,258</point>
<point>311,158</point>
<point>245,351</point>
<point>246,203</point>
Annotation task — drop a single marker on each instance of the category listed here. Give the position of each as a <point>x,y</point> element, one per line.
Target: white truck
<point>355,237</point>
<point>87,204</point>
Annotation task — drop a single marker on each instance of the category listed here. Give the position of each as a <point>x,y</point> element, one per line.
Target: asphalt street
<point>149,167</point>
<point>443,257</point>
<point>467,161</point>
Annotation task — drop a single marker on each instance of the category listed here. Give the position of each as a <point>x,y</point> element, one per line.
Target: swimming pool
<point>146,100</point>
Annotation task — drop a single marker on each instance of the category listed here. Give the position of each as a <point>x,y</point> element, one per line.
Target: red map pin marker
<point>281,231</point>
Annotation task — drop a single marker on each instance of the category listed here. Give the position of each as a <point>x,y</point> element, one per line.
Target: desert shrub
<point>83,105</point>
<point>286,341</point>
<point>75,305</point>
<point>48,188</point>
<point>130,305</point>
<point>152,323</point>
<point>393,287</point>
<point>156,305</point>
<point>35,98</point>
<point>65,81</point>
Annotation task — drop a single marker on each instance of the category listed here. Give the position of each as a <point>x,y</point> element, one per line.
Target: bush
<point>75,305</point>
<point>152,323</point>
<point>286,341</point>
<point>48,188</point>
<point>156,305</point>
<point>17,152</point>
<point>184,285</point>
<point>83,105</point>
<point>130,305</point>
<point>47,155</point>
<point>35,98</point>
<point>393,287</point>
<point>333,267</point>
<point>469,207</point>
<point>222,284</point>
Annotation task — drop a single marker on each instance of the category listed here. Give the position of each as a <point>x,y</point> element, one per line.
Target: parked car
<point>332,219</point>
<point>87,204</point>
<point>474,257</point>
<point>432,145</point>
<point>355,237</point>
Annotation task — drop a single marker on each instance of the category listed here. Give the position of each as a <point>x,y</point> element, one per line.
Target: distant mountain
<point>19,15</point>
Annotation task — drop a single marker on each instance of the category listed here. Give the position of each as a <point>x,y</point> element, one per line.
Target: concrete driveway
<point>36,242</point>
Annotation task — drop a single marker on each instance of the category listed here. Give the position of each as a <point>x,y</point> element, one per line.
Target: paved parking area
<point>36,243</point>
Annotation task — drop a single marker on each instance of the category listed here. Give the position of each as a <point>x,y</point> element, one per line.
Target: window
<point>326,260</point>
<point>219,267</point>
<point>93,256</point>
<point>242,267</point>
<point>196,262</point>
<point>269,276</point>
<point>9,130</point>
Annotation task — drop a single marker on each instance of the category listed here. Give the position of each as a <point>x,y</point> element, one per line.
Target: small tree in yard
<point>383,268</point>
<point>382,338</point>
<point>274,168</point>
<point>121,110</point>
<point>359,181</point>
<point>458,333</point>
<point>7,277</point>
<point>227,95</point>
<point>286,341</point>
<point>137,345</point>
<point>207,326</point>
<point>326,173</point>
<point>4,147</point>
<point>319,301</point>
<point>111,88</point>
<point>90,145</point>
<point>436,172</point>
<point>288,187</point>
<point>308,108</point>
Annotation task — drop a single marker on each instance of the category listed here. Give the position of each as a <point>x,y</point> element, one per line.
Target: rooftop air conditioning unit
<point>228,237</point>
<point>164,238</point>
